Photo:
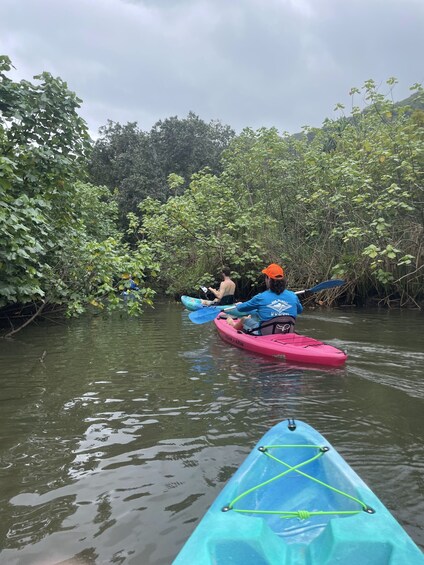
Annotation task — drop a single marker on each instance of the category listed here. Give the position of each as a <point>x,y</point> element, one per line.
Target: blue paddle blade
<point>327,284</point>
<point>204,315</point>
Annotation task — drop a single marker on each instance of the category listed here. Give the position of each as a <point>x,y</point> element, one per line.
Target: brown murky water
<point>114,444</point>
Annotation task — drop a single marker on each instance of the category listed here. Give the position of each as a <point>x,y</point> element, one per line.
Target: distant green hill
<point>416,101</point>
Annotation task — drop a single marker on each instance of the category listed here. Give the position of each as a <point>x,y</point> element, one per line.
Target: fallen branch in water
<point>31,319</point>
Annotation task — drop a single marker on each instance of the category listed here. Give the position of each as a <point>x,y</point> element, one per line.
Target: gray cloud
<point>282,63</point>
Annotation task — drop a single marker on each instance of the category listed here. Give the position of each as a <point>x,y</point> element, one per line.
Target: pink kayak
<point>291,347</point>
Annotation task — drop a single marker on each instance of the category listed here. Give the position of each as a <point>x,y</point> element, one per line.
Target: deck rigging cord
<point>301,514</point>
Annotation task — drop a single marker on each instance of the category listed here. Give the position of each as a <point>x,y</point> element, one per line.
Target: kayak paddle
<point>209,313</point>
<point>322,286</point>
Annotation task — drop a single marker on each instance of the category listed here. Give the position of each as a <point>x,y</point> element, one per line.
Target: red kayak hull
<point>291,347</point>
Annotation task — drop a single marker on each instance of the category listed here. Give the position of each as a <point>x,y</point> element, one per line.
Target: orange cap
<point>274,271</point>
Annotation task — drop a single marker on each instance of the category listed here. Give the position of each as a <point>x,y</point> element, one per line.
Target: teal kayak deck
<point>295,501</point>
<point>194,304</point>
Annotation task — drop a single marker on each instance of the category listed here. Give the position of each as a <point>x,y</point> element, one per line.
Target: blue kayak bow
<point>209,313</point>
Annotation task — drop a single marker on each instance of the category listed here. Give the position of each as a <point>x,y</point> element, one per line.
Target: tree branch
<point>32,318</point>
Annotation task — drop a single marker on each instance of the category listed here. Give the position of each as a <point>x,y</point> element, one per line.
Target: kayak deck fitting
<point>295,501</point>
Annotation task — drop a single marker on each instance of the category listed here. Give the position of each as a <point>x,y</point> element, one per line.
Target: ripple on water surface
<point>114,445</point>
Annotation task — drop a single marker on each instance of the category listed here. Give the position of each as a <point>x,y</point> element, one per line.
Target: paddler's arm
<point>218,293</point>
<point>215,292</point>
<point>250,305</point>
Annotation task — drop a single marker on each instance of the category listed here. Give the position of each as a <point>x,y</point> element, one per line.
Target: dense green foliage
<point>59,241</point>
<point>208,226</point>
<point>345,200</point>
<point>136,163</point>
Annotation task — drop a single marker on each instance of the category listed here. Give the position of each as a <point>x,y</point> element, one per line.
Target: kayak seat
<point>278,325</point>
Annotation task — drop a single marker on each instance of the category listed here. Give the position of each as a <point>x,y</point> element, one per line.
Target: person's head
<point>274,278</point>
<point>225,272</point>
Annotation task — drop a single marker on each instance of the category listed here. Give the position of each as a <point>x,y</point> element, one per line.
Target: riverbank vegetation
<point>60,245</point>
<point>345,200</point>
<point>172,205</point>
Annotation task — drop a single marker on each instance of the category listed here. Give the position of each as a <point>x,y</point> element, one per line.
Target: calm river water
<point>116,434</point>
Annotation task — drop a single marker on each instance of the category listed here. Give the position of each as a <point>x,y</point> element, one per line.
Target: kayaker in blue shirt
<point>273,311</point>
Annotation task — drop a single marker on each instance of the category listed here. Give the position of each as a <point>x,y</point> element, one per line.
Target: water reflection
<point>115,444</point>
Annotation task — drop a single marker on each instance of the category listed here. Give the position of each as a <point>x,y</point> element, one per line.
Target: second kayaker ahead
<point>225,294</point>
<point>273,311</point>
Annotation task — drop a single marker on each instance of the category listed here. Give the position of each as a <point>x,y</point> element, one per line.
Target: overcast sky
<point>282,63</point>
